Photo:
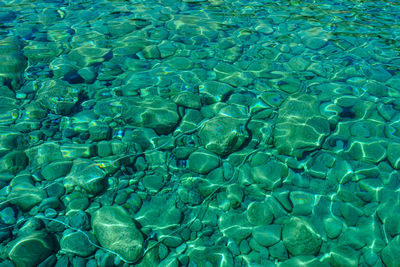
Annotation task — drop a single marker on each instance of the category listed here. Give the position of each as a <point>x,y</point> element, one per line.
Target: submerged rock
<point>31,249</point>
<point>115,230</point>
<point>58,96</point>
<point>156,113</point>
<point>12,62</point>
<point>300,237</point>
<point>203,161</point>
<point>300,127</point>
<point>224,133</point>
<point>87,175</point>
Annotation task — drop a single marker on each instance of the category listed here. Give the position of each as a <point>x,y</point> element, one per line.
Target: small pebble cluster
<point>199,133</point>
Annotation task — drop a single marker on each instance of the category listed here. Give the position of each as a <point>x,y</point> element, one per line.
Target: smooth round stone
<point>31,249</point>
<point>267,235</point>
<point>333,227</point>
<point>340,172</point>
<point>234,226</point>
<point>298,63</point>
<point>57,96</point>
<point>85,56</point>
<point>244,247</point>
<point>13,162</point>
<point>104,149</point>
<point>352,237</point>
<point>56,169</point>
<point>120,27</point>
<point>393,153</point>
<point>391,253</point>
<point>314,37</point>
<point>203,161</point>
<point>115,230</point>
<point>8,111</point>
<point>269,176</point>
<point>172,241</point>
<point>76,201</point>
<point>300,237</point>
<point>151,52</point>
<point>55,190</point>
<point>303,203</point>
<point>98,130</point>
<point>88,74</point>
<point>259,213</point>
<point>188,100</point>
<point>278,251</point>
<point>76,243</point>
<point>214,91</point>
<point>299,127</point>
<point>273,99</point>
<point>350,213</point>
<point>156,113</point>
<point>12,61</point>
<point>314,43</point>
<point>230,74</point>
<point>223,135</point>
<point>38,51</point>
<point>79,219</point>
<point>153,183</point>
<point>344,256</point>
<point>158,213</point>
<point>180,63</point>
<point>320,165</point>
<point>235,194</point>
<point>61,67</point>
<point>367,150</point>
<point>211,256</point>
<point>264,28</point>
<point>35,111</point>
<point>370,257</point>
<point>166,49</point>
<point>86,174</point>
<point>25,195</point>
<point>260,68</point>
<point>308,261</point>
<point>74,151</point>
<point>7,216</point>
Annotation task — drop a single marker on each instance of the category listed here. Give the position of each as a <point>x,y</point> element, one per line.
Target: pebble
<point>266,140</point>
<point>300,237</point>
<point>158,114</point>
<point>344,256</point>
<point>223,135</point>
<point>111,225</point>
<point>25,195</point>
<point>259,213</point>
<point>76,243</point>
<point>267,235</point>
<point>203,161</point>
<point>7,216</point>
<point>298,128</point>
<point>87,175</point>
<point>31,249</point>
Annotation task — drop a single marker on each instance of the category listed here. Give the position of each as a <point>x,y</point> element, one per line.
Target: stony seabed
<point>199,133</point>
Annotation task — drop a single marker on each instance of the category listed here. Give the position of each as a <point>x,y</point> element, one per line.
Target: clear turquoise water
<point>199,133</point>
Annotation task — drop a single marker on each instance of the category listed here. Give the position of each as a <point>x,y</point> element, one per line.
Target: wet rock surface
<point>199,133</point>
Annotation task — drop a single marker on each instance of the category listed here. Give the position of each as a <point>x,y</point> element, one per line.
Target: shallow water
<point>199,133</point>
